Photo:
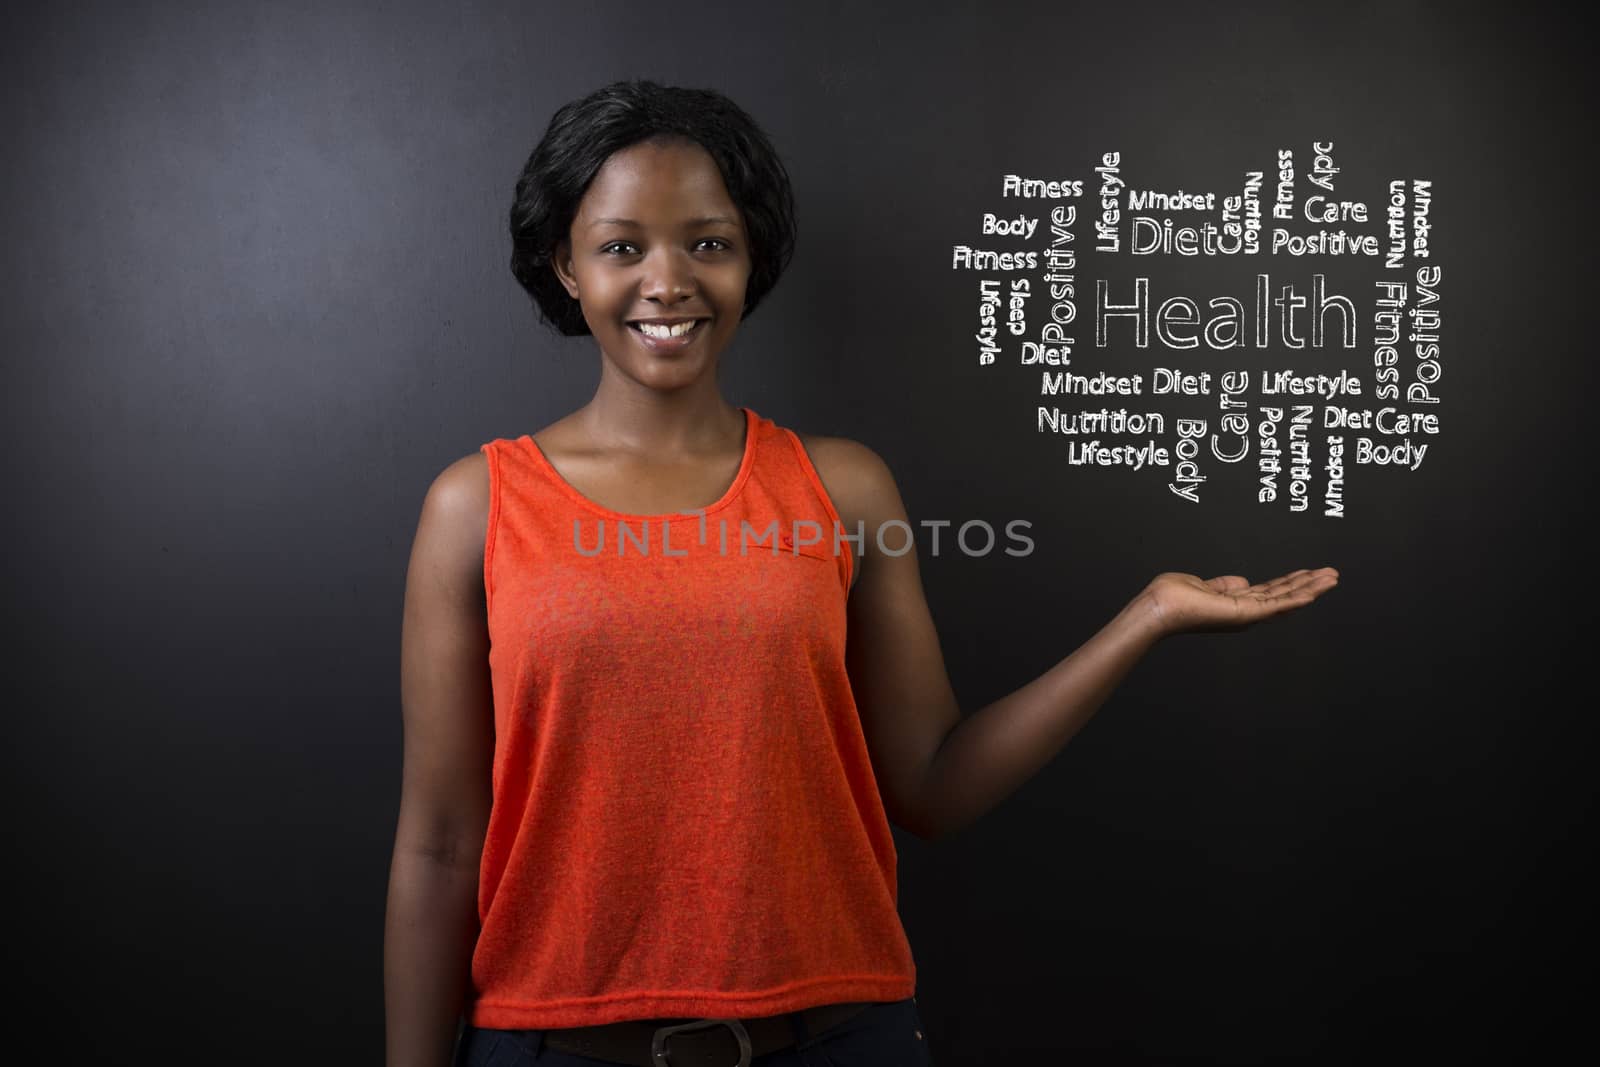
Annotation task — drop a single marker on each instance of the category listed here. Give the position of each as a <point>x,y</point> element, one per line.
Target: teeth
<point>666,331</point>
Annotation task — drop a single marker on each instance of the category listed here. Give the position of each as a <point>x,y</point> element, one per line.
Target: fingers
<point>1278,595</point>
<point>1254,603</point>
<point>1296,582</point>
<point>1301,588</point>
<point>1274,587</point>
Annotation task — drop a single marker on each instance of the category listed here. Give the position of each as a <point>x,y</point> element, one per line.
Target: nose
<point>668,275</point>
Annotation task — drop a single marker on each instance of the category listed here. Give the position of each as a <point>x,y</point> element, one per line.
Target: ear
<point>561,263</point>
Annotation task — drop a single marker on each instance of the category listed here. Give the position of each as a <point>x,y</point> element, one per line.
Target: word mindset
<point>1324,353</point>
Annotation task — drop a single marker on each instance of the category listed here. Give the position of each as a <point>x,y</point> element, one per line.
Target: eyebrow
<point>701,221</point>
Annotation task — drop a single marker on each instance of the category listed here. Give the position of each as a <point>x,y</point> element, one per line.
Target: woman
<point>655,828</point>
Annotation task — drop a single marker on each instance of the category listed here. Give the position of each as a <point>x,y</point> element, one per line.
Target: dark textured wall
<point>255,297</point>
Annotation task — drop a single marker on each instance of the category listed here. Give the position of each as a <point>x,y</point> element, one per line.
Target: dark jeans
<point>887,1034</point>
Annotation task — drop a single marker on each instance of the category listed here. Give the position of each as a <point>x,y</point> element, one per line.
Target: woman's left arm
<point>939,772</point>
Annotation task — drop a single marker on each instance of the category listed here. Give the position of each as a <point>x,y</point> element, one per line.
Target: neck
<point>654,422</point>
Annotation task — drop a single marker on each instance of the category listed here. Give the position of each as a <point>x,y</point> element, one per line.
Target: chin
<point>670,377</point>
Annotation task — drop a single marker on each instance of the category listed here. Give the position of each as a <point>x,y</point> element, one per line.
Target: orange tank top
<point>685,822</point>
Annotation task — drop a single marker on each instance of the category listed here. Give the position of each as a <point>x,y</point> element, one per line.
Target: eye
<point>607,249</point>
<point>723,246</point>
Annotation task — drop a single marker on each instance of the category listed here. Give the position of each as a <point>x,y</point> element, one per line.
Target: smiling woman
<point>658,260</point>
<point>647,796</point>
<point>582,138</point>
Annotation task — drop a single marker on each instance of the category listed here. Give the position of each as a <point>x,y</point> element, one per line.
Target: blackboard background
<point>255,298</point>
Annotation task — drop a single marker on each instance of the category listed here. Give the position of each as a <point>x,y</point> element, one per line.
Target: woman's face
<point>657,240</point>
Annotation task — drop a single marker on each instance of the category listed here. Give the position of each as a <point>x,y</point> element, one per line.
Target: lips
<point>667,322</point>
<point>667,344</point>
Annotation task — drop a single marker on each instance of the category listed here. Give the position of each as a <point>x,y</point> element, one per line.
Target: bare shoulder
<point>462,490</point>
<point>455,521</point>
<point>856,477</point>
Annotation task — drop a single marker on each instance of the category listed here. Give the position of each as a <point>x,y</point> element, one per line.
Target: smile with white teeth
<point>652,330</point>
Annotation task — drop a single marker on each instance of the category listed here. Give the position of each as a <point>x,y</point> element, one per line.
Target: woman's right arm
<point>447,706</point>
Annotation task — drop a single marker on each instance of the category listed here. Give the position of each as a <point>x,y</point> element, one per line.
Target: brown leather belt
<point>698,1042</point>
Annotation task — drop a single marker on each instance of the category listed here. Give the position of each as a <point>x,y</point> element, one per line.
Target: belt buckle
<point>658,1043</point>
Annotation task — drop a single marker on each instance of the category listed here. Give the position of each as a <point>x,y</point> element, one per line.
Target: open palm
<point>1184,603</point>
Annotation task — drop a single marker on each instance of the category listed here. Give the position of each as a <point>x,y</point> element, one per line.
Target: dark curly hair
<point>585,133</point>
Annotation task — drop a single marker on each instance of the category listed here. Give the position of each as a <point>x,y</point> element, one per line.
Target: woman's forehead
<point>657,179</point>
